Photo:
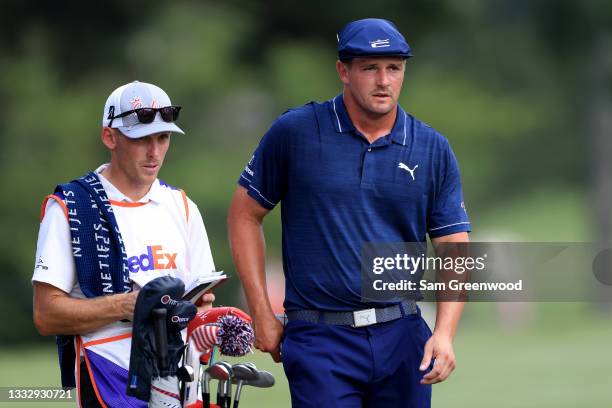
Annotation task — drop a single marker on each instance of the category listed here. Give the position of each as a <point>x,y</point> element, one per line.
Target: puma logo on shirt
<point>408,169</point>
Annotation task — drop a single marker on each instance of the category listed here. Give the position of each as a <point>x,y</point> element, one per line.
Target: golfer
<point>352,170</point>
<point>105,235</point>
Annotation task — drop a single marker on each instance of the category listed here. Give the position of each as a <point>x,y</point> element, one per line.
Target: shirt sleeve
<point>448,214</point>
<point>265,175</point>
<point>54,262</point>
<point>200,255</point>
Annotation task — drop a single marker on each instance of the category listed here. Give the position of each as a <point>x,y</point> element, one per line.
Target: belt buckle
<point>365,317</point>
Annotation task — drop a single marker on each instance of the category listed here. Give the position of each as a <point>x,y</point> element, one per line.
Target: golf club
<point>185,375</point>
<point>226,389</point>
<point>199,341</point>
<point>250,364</point>
<point>215,372</point>
<point>205,389</point>
<point>265,379</point>
<point>164,388</point>
<point>161,340</point>
<point>243,372</point>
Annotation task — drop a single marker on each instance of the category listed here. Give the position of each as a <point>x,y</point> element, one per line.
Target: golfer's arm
<point>448,314</point>
<point>244,221</point>
<point>55,312</point>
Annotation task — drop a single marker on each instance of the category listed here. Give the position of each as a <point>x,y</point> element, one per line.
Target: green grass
<point>563,360</point>
<point>562,363</point>
<point>548,214</point>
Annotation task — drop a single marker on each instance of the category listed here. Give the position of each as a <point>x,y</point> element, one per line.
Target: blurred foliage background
<point>522,89</point>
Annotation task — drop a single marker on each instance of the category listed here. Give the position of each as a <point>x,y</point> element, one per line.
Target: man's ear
<point>109,138</point>
<point>342,70</point>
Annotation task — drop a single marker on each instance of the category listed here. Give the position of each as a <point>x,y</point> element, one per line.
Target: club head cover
<point>207,317</point>
<point>204,337</point>
<point>234,336</point>
<point>212,315</point>
<point>179,317</point>
<point>161,292</point>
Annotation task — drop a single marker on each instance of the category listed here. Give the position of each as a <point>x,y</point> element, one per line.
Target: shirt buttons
<point>370,149</point>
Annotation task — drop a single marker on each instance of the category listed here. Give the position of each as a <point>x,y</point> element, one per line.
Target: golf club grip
<point>161,340</point>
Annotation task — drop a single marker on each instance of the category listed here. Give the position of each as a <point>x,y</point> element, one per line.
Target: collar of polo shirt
<point>114,194</point>
<point>342,123</point>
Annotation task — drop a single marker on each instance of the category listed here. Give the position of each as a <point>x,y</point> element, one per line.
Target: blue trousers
<point>343,366</point>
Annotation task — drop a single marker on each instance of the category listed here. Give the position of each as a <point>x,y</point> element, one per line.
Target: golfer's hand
<point>205,302</point>
<point>268,334</point>
<point>440,348</point>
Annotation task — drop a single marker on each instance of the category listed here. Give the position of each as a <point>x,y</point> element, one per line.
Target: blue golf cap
<point>371,37</point>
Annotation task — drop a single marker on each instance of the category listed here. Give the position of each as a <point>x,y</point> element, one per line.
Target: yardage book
<point>203,284</point>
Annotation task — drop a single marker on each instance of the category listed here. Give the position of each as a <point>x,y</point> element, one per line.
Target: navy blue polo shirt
<point>337,191</point>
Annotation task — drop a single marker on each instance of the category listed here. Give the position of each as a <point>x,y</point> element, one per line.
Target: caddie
<point>105,235</point>
<point>355,169</point>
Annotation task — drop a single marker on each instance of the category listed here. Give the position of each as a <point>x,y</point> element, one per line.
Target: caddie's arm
<point>440,344</point>
<point>55,312</point>
<point>245,217</point>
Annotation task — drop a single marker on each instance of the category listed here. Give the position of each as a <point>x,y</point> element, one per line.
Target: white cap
<point>133,96</point>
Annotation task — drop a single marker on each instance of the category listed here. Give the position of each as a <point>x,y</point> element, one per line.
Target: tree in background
<point>515,86</point>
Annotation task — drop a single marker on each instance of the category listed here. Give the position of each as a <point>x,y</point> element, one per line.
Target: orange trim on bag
<point>128,204</point>
<point>93,381</point>
<point>59,201</point>
<point>186,203</point>
<point>107,340</point>
<point>78,370</point>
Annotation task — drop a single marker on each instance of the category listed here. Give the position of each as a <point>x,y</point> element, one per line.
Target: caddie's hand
<point>205,302</point>
<point>440,348</point>
<point>268,334</point>
<point>125,303</point>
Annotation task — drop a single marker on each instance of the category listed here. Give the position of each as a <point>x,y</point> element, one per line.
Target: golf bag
<point>157,345</point>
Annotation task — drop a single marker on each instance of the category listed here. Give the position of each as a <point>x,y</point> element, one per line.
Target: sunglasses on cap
<point>147,115</point>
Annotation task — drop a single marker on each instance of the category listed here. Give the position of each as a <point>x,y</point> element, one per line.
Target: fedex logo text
<point>153,259</point>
